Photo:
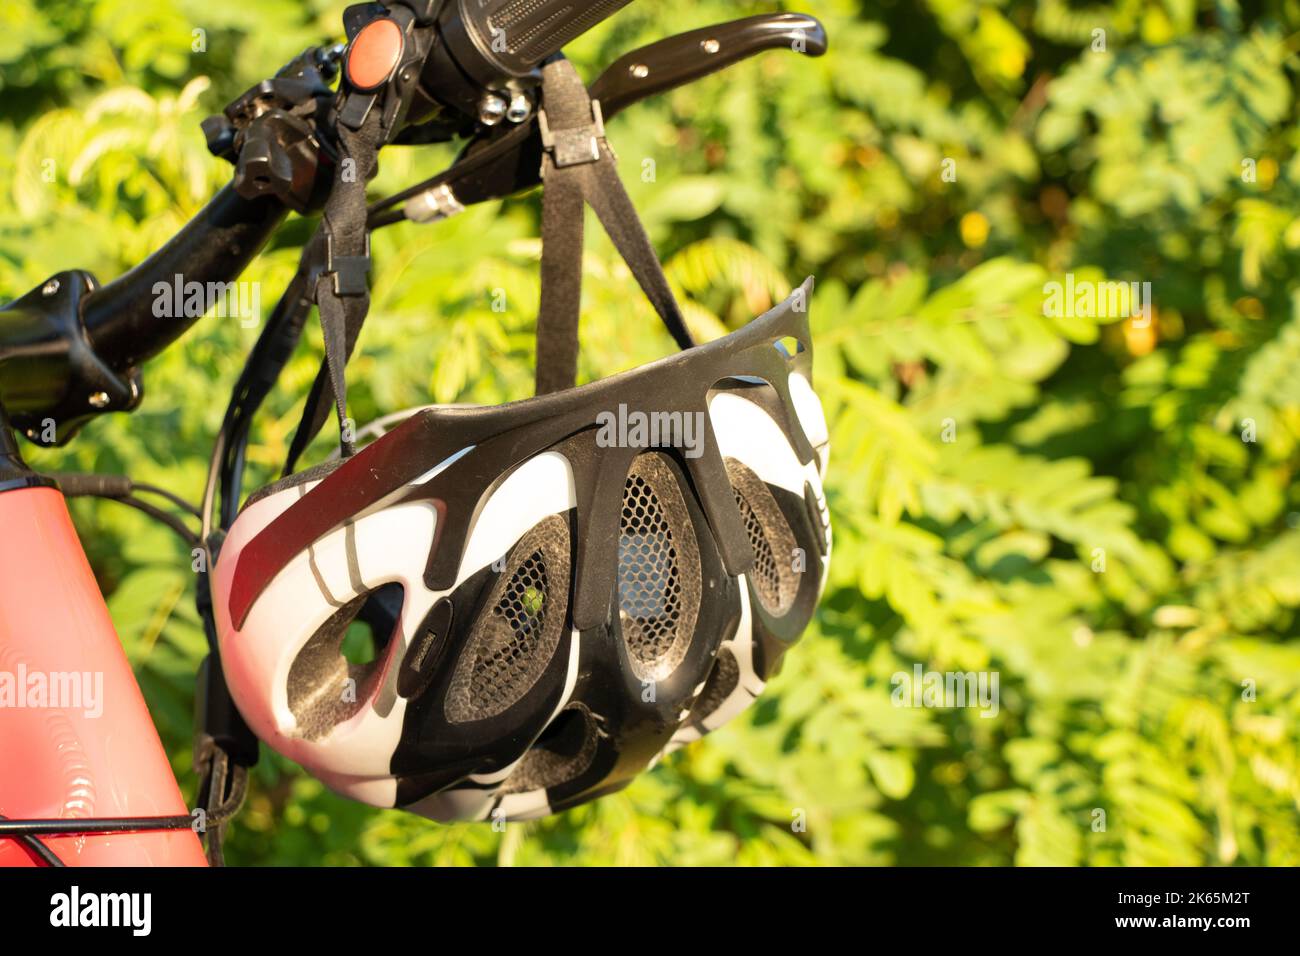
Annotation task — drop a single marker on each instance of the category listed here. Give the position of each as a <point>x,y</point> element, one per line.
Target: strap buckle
<point>576,146</point>
<point>349,272</point>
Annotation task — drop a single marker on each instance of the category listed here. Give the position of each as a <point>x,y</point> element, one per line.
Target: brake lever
<point>688,57</point>
<point>506,160</point>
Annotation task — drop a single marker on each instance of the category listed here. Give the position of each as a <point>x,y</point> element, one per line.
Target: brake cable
<point>29,832</point>
<point>122,489</point>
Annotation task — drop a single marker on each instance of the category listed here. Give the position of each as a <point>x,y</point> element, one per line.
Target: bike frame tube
<point>94,757</point>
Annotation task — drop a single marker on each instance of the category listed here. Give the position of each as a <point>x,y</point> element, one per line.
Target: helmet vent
<point>562,753</point>
<point>515,638</point>
<point>658,569</point>
<point>774,578</point>
<point>319,674</point>
<point>724,677</point>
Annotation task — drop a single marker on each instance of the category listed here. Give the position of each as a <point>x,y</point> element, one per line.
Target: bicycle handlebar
<point>70,350</point>
<point>490,39</point>
<point>213,247</point>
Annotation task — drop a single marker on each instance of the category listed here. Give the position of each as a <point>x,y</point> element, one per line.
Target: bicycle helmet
<point>562,588</point>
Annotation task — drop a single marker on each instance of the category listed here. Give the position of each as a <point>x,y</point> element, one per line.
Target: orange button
<point>374,54</point>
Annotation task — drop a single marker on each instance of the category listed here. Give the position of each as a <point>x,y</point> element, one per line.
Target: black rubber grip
<point>516,35</point>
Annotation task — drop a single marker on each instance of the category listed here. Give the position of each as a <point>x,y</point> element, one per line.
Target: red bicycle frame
<point>65,758</point>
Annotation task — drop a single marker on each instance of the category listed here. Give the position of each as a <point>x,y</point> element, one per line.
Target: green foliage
<point>1101,511</point>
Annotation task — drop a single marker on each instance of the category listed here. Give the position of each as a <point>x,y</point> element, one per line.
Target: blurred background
<point>1100,510</point>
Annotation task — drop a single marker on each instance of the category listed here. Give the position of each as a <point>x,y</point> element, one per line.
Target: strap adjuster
<point>575,146</point>
<point>349,272</point>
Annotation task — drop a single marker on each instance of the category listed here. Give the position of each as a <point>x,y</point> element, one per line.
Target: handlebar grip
<point>511,37</point>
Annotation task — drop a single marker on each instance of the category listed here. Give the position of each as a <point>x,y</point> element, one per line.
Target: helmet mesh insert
<point>516,634</point>
<point>774,578</point>
<point>658,569</point>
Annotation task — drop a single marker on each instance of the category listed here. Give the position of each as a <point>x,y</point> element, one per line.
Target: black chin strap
<point>579,167</point>
<point>341,293</point>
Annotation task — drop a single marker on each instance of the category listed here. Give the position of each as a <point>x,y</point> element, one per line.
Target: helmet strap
<point>340,291</point>
<point>579,168</point>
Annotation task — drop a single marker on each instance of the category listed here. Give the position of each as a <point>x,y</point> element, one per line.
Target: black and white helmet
<point>560,589</point>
